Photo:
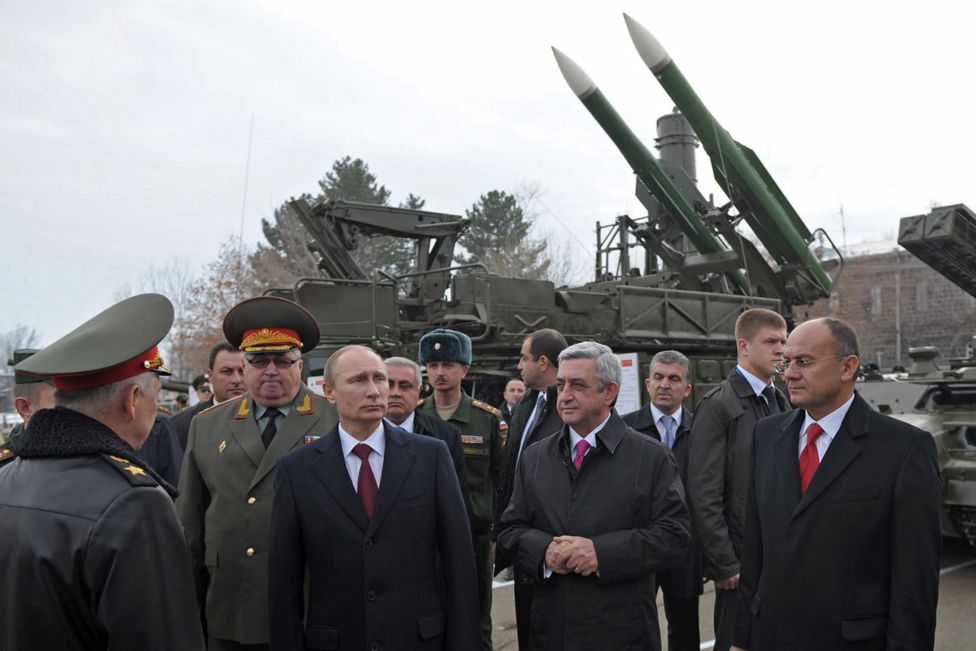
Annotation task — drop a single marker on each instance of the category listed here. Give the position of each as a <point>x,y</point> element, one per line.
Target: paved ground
<point>956,629</point>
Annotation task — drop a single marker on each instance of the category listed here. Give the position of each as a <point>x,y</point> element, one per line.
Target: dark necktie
<point>772,406</point>
<point>809,457</point>
<point>271,428</point>
<point>366,487</point>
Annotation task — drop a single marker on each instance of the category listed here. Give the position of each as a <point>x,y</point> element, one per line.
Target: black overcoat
<point>628,499</point>
<point>854,562</point>
<point>404,579</point>
<point>685,578</point>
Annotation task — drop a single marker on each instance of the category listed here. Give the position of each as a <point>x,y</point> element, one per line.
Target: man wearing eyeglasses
<point>842,539</point>
<point>228,470</point>
<point>718,460</point>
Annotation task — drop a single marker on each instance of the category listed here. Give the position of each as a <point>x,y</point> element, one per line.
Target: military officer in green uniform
<point>92,553</point>
<point>447,356</point>
<point>227,479</point>
<point>31,394</point>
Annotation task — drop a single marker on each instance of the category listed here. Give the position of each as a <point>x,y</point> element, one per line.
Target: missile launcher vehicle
<point>699,272</point>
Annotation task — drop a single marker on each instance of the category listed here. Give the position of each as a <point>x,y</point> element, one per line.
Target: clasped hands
<point>569,554</point>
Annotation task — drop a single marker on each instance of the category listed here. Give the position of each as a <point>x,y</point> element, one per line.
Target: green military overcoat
<point>225,506</point>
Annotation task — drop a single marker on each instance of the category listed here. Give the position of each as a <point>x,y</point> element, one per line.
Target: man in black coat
<point>162,451</point>
<point>226,375</point>
<point>534,418</point>
<point>842,541</point>
<point>664,419</point>
<point>92,553</point>
<point>718,464</point>
<point>376,520</point>
<point>401,411</point>
<point>597,510</point>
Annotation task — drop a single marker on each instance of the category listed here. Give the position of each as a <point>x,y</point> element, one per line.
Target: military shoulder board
<point>134,474</point>
<point>486,407</point>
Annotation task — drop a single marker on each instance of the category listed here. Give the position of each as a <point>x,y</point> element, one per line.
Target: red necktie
<point>367,482</point>
<point>809,457</point>
<point>581,447</point>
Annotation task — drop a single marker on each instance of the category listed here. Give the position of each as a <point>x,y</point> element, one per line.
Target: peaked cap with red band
<point>119,343</point>
<point>269,324</point>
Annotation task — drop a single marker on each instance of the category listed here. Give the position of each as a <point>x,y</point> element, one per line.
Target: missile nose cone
<point>578,81</point>
<point>653,53</point>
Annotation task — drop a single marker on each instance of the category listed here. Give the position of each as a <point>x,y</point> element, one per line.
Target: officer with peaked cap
<point>92,553</point>
<point>447,356</point>
<point>227,479</point>
<point>31,394</point>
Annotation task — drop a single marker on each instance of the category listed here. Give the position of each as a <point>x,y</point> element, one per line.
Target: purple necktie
<point>581,449</point>
<point>367,482</point>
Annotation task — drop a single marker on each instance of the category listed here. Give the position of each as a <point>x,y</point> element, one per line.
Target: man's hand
<point>731,583</point>
<point>554,560</point>
<point>577,554</point>
<point>738,648</point>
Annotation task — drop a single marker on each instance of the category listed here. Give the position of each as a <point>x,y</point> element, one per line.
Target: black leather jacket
<point>91,551</point>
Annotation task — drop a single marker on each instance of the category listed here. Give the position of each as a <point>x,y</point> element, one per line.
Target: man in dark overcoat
<point>91,551</point>
<point>842,540</point>
<point>665,419</point>
<point>370,543</point>
<point>597,510</point>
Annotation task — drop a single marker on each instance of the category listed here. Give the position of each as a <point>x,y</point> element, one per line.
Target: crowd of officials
<point>371,518</point>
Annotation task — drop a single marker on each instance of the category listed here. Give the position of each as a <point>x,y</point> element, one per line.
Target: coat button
<point>251,500</point>
<point>371,595</point>
<point>368,543</point>
<point>250,551</point>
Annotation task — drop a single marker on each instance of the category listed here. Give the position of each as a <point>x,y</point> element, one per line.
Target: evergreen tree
<point>286,257</point>
<point>498,237</point>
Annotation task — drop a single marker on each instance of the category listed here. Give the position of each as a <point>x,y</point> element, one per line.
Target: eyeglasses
<point>279,362</point>
<point>801,364</point>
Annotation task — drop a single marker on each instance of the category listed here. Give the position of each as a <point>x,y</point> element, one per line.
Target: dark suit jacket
<point>427,425</point>
<point>162,451</point>
<point>371,581</point>
<point>854,562</point>
<point>180,422</point>
<point>685,578</point>
<point>628,499</point>
<point>548,423</point>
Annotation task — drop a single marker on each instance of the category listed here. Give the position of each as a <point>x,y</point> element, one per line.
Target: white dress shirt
<point>376,440</point>
<point>831,425</point>
<point>407,424</point>
<point>657,415</point>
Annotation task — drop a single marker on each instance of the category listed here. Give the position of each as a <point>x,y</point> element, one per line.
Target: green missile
<point>645,166</point>
<point>736,167</point>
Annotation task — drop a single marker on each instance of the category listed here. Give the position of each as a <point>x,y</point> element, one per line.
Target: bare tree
<point>173,280</point>
<point>20,336</point>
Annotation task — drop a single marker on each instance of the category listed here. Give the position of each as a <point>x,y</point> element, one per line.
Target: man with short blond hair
<point>718,463</point>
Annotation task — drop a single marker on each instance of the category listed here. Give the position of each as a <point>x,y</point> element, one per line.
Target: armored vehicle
<point>936,395</point>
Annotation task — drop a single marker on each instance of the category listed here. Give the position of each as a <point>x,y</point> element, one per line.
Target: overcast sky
<point>124,125</point>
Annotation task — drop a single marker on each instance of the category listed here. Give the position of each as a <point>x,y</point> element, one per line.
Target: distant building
<point>895,302</point>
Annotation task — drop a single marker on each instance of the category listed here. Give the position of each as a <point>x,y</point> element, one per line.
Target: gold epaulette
<point>7,453</point>
<point>222,404</point>
<point>136,475</point>
<point>494,411</point>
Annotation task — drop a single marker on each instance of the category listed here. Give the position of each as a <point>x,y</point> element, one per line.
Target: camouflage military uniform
<point>482,442</point>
